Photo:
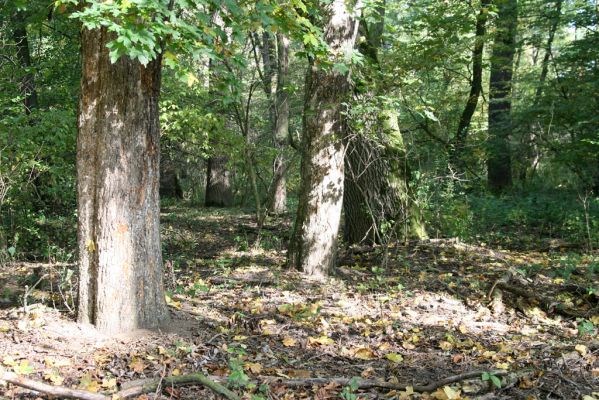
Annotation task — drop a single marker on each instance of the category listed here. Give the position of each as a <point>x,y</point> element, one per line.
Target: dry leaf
<point>322,340</point>
<point>289,342</point>
<point>137,365</point>
<point>254,368</point>
<point>363,353</point>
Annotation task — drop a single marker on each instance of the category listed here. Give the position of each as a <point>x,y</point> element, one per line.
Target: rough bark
<point>499,161</point>
<point>27,84</point>
<point>377,192</point>
<point>218,183</point>
<point>118,156</point>
<point>313,245</point>
<point>475,85</point>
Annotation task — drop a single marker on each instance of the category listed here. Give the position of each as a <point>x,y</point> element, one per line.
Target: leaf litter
<point>239,315</point>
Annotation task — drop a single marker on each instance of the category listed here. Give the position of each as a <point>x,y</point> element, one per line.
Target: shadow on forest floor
<point>438,308</point>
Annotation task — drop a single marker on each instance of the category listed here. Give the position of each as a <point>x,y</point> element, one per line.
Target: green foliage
<point>349,392</point>
<point>489,376</point>
<point>585,327</point>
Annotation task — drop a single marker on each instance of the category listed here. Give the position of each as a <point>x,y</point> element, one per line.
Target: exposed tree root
<point>139,387</point>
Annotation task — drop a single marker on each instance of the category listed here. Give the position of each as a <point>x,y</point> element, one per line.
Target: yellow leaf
<point>9,361</point>
<point>109,383</point>
<point>172,303</point>
<point>462,328</point>
<point>54,378</point>
<point>444,345</point>
<point>364,353</point>
<point>254,368</point>
<point>23,368</point>
<point>407,393</point>
<point>239,338</point>
<point>394,357</point>
<point>446,393</point>
<point>408,346</point>
<point>581,348</point>
<point>176,372</point>
<point>322,340</point>
<point>289,342</point>
<point>503,365</point>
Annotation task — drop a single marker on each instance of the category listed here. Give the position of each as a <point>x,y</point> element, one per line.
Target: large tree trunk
<point>313,245</point>
<point>218,183</point>
<point>118,157</point>
<point>499,161</point>
<point>475,85</point>
<point>27,86</point>
<point>377,203</point>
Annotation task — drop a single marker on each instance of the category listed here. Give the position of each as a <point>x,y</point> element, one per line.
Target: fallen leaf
<point>394,357</point>
<point>322,340</point>
<point>581,348</point>
<point>363,353</point>
<point>254,368</point>
<point>289,342</point>
<point>137,365</point>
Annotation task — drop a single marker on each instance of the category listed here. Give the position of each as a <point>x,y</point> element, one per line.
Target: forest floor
<point>406,316</point>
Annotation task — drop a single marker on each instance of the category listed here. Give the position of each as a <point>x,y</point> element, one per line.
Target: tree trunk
<point>475,85</point>
<point>499,161</point>
<point>170,186</point>
<point>532,154</point>
<point>377,201</point>
<point>278,195</point>
<point>27,86</point>
<point>218,183</point>
<point>313,245</point>
<point>118,156</point>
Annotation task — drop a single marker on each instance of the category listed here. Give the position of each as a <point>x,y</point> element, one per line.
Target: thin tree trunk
<point>532,155</point>
<point>27,85</point>
<point>118,156</point>
<point>475,85</point>
<point>499,161</point>
<point>313,245</point>
<point>278,195</point>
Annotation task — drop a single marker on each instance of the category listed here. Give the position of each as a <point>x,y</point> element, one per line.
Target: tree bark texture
<point>475,85</point>
<point>313,244</point>
<point>27,85</point>
<point>499,161</point>
<point>377,201</point>
<point>118,157</point>
<point>218,182</point>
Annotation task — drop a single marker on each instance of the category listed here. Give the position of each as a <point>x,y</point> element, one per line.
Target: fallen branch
<point>139,387</point>
<point>136,388</point>
<point>54,391</point>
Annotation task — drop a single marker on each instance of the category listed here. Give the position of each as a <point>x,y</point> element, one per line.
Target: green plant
<point>349,392</point>
<point>585,327</point>
<point>489,376</point>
